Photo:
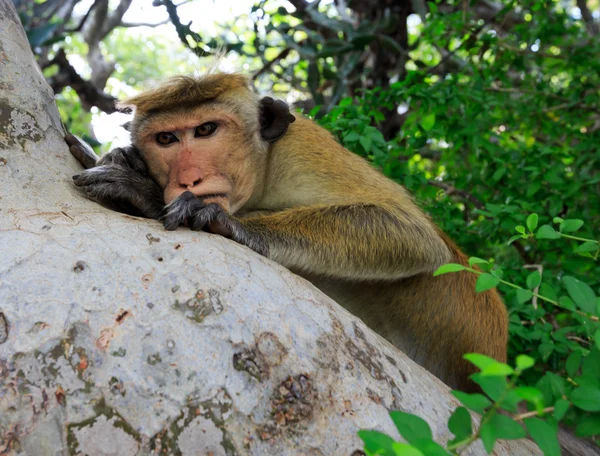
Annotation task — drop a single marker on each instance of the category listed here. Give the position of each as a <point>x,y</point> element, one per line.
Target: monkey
<point>280,184</point>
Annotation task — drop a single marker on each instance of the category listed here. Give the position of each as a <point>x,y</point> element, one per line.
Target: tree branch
<point>83,19</point>
<point>89,94</point>
<point>183,31</point>
<point>451,190</point>
<point>282,55</point>
<point>586,15</point>
<point>114,19</point>
<point>143,24</point>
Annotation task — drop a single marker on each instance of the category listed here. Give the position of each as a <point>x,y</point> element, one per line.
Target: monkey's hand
<point>119,180</point>
<point>122,189</point>
<point>211,218</point>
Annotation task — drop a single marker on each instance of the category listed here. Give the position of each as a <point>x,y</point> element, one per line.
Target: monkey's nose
<point>190,177</point>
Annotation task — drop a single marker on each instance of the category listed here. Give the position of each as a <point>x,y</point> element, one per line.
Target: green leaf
<point>557,220</point>
<point>560,408</point>
<point>524,362</point>
<point>570,225</point>
<point>476,402</point>
<point>581,293</point>
<point>586,398</point>
<point>475,260</point>
<point>460,423</point>
<point>534,279</point>
<point>377,441</point>
<point>532,222</point>
<point>481,361</point>
<point>403,449</point>
<point>366,143</point>
<point>520,229</point>
<point>587,247</point>
<point>546,349</point>
<point>450,267</point>
<point>493,387</point>
<point>507,429</point>
<point>486,282</point>
<point>544,435</point>
<point>39,35</point>
<point>411,427</point>
<point>498,370</point>
<point>351,136</point>
<point>531,394</point>
<point>566,302</point>
<point>523,295</point>
<point>588,426</point>
<point>429,448</point>
<point>573,363</point>
<point>547,232</point>
<point>514,238</point>
<point>548,291</point>
<point>428,121</point>
<point>597,338</point>
<point>487,434</point>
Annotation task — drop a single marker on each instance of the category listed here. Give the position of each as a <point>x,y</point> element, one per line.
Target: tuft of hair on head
<point>182,91</point>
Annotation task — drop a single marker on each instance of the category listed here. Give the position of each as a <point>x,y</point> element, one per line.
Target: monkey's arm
<point>357,241</point>
<point>119,180</point>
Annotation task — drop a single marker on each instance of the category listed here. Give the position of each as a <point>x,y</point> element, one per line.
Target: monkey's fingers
<point>205,216</point>
<point>99,174</point>
<point>179,210</point>
<point>82,151</point>
<point>126,157</point>
<point>101,193</point>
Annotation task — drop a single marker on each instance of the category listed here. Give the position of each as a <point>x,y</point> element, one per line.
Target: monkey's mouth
<point>211,196</point>
<point>222,199</point>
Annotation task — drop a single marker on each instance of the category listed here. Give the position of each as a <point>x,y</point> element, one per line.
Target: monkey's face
<point>207,150</point>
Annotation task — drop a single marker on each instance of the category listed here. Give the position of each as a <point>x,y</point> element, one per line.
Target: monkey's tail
<point>81,151</point>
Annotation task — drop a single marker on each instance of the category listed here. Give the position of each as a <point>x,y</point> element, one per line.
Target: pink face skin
<point>204,150</point>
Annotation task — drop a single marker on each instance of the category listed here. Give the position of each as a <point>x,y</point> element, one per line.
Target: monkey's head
<point>207,135</point>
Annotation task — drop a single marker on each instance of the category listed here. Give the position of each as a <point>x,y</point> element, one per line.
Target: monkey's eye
<point>206,129</point>
<point>164,138</point>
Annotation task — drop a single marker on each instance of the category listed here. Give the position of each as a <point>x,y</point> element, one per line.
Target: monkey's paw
<point>211,218</point>
<point>122,189</point>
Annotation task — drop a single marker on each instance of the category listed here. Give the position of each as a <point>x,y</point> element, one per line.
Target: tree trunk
<point>117,337</point>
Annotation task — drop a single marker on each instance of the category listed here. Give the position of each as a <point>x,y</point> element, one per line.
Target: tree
<point>116,336</point>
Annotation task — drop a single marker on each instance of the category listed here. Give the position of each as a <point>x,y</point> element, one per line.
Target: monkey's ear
<point>275,118</point>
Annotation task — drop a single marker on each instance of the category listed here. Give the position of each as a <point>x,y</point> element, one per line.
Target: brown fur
<point>326,214</point>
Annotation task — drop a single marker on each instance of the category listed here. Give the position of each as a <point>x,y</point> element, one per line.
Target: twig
<point>143,24</point>
<point>83,19</point>
<point>451,190</point>
<point>523,416</point>
<point>282,55</point>
<point>540,269</point>
<point>472,34</point>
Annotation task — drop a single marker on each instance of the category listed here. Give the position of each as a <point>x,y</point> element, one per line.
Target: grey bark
<point>117,337</point>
